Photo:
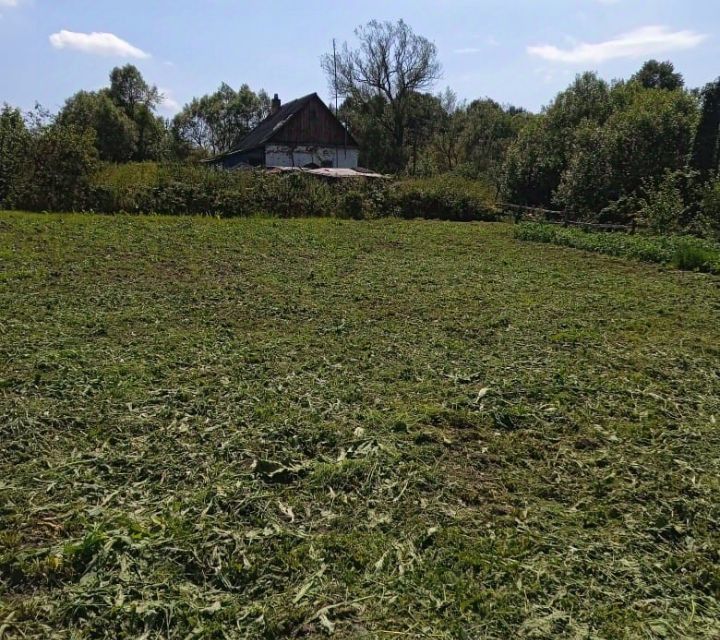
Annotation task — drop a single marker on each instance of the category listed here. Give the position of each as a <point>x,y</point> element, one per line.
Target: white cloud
<point>103,44</point>
<point>637,43</point>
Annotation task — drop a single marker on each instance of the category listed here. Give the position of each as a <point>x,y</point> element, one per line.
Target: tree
<point>129,90</point>
<point>425,112</point>
<point>488,131</point>
<point>59,168</point>
<point>641,141</point>
<point>122,117</point>
<point>534,164</point>
<point>392,63</point>
<point>659,75</point>
<point>706,146</point>
<point>115,134</point>
<point>14,143</point>
<point>365,121</point>
<point>216,122</point>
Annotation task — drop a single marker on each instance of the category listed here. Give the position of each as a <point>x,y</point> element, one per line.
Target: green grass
<point>683,252</point>
<point>262,429</point>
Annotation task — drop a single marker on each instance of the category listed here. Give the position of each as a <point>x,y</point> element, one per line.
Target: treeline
<point>640,150</point>
<point>644,149</point>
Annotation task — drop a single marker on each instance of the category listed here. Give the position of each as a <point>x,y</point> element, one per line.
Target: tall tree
<point>129,90</point>
<point>706,146</point>
<point>216,122</point>
<point>122,117</point>
<point>390,62</point>
<point>659,75</point>
<point>115,134</point>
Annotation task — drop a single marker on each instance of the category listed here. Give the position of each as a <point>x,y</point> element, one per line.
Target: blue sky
<point>515,51</point>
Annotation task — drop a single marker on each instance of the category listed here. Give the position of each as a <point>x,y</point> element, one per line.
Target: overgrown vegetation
<point>684,252</point>
<point>639,150</point>
<point>261,428</point>
<point>63,174</point>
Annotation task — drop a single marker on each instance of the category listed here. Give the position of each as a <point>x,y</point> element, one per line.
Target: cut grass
<point>258,428</point>
<point>683,252</point>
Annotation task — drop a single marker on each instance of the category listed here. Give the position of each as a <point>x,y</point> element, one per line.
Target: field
<point>394,429</point>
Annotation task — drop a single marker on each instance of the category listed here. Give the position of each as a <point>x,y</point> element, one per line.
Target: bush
<point>65,177</point>
<point>684,252</point>
<point>57,172</point>
<point>662,207</point>
<point>691,257</point>
<point>445,198</point>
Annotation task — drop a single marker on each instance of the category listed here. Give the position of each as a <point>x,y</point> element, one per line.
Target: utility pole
<point>335,86</point>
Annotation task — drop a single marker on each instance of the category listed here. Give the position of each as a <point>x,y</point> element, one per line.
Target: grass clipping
<point>265,429</point>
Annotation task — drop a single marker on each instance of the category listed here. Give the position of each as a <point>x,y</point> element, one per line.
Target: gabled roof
<point>273,123</point>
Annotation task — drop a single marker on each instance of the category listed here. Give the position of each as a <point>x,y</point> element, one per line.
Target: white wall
<point>278,155</point>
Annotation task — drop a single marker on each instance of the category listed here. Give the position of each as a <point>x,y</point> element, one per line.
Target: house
<point>301,133</point>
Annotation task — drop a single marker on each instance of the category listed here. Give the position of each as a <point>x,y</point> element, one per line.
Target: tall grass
<point>683,252</point>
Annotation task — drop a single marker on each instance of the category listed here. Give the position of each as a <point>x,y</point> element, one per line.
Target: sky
<point>519,52</point>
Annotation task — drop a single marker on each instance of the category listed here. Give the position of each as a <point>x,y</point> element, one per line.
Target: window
<point>313,115</point>
<point>327,164</point>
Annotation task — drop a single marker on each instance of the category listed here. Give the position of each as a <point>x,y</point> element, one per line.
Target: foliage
<point>662,208</point>
<point>57,170</point>
<point>252,429</point>
<point>445,198</point>
<point>215,123</point>
<point>659,75</point>
<point>14,144</point>
<point>596,148</point>
<point>389,66</point>
<point>121,117</point>
<point>534,164</point>
<point>182,189</point>
<point>706,146</point>
<point>681,251</point>
<point>709,217</point>
<point>116,136</point>
<point>657,125</point>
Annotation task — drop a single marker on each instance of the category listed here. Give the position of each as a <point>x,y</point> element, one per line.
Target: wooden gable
<point>314,124</point>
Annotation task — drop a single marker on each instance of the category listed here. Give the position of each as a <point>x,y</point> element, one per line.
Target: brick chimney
<point>275,104</point>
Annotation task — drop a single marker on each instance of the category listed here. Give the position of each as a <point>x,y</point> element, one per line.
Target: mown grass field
<point>267,429</point>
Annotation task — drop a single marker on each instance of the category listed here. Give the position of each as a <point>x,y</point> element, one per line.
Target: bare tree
<point>391,62</point>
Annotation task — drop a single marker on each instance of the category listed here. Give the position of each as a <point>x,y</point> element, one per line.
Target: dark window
<point>327,163</point>
<point>313,114</point>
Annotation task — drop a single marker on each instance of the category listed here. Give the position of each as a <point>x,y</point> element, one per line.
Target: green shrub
<point>57,172</point>
<point>691,257</point>
<point>710,209</point>
<point>684,252</point>
<point>180,189</point>
<point>445,198</point>
<point>662,207</point>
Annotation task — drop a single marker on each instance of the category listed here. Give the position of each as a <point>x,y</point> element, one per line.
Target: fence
<point>551,216</point>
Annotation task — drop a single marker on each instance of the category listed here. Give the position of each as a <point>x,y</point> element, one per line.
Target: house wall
<point>286,155</point>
